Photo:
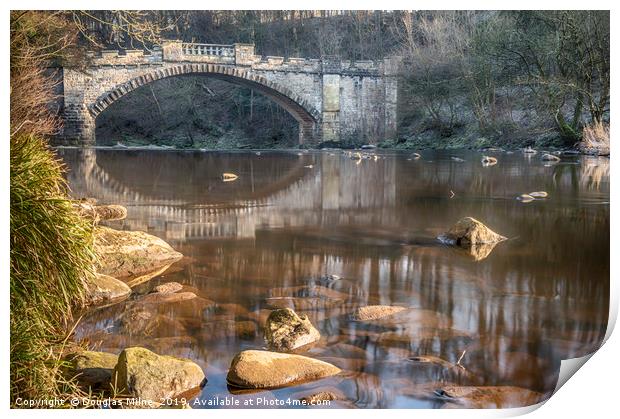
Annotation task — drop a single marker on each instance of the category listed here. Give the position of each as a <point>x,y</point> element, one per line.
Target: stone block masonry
<point>331,99</point>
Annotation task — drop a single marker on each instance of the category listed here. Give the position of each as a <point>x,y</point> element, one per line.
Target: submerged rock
<point>169,297</point>
<point>168,288</point>
<point>285,330</point>
<point>486,397</point>
<point>323,396</point>
<point>468,231</point>
<point>264,369</point>
<point>375,312</point>
<point>144,374</point>
<point>93,370</point>
<point>126,253</point>
<point>103,289</point>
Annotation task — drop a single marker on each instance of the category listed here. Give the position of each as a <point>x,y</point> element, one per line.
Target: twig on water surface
<point>458,362</point>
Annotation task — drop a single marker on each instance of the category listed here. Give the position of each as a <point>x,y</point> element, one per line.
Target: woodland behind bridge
<point>470,79</point>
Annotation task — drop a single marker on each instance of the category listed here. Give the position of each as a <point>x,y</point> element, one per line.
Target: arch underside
<point>299,108</point>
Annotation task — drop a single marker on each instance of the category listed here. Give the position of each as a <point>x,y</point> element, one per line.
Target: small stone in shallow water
<point>550,158</point>
<point>488,161</point>
<point>285,330</point>
<point>264,369</point>
<point>468,231</point>
<point>539,194</point>
<point>375,312</point>
<point>525,198</point>
<point>229,177</point>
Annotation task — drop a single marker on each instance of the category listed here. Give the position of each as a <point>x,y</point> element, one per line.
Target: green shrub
<point>51,256</point>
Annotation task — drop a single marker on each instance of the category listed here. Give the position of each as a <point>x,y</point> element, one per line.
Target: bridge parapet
<point>236,54</point>
<point>125,57</point>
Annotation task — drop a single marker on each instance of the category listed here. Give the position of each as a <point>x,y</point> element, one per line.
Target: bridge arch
<point>304,113</point>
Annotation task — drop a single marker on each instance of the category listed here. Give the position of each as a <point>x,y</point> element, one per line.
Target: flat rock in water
<point>93,370</point>
<point>264,369</point>
<point>375,312</point>
<point>539,194</point>
<point>126,253</point>
<point>159,298</point>
<point>469,231</point>
<point>144,374</point>
<point>285,330</point>
<point>549,157</point>
<point>526,198</point>
<point>487,397</point>
<point>168,288</point>
<point>103,289</point>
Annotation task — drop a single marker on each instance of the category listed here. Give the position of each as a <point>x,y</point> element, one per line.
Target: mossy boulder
<point>93,370</point>
<point>285,330</point>
<point>265,369</point>
<point>144,374</point>
<point>124,254</point>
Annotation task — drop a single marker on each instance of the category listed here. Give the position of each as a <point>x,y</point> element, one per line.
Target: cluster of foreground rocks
<point>128,258</point>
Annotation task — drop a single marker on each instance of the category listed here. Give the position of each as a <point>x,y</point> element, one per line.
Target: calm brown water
<point>270,239</point>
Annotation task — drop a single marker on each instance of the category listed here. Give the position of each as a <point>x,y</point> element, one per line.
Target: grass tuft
<point>51,257</point>
<point>595,138</point>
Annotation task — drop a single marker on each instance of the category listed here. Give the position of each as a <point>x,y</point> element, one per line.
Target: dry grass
<point>595,139</point>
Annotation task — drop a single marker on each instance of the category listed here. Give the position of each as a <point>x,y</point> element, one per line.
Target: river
<point>324,233</point>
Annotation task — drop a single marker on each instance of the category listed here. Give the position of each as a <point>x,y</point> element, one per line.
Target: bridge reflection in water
<point>268,239</point>
<point>164,199</point>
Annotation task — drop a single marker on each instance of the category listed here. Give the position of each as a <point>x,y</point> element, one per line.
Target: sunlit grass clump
<point>51,256</point>
<point>596,138</point>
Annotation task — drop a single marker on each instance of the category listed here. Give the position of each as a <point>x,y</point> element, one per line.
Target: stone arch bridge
<point>331,99</point>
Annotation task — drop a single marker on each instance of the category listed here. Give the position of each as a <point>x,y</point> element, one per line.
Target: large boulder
<point>264,369</point>
<point>93,370</point>
<point>104,289</point>
<point>367,313</point>
<point>469,231</point>
<point>128,253</point>
<point>144,374</point>
<point>285,330</point>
